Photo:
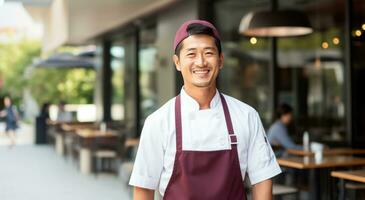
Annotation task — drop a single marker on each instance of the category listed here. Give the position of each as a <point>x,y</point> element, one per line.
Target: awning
<point>66,60</point>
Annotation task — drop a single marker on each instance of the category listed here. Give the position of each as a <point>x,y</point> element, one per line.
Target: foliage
<point>52,85</point>
<point>46,84</point>
<point>14,58</point>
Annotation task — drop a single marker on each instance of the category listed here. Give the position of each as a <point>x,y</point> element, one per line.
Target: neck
<point>284,122</point>
<point>202,95</point>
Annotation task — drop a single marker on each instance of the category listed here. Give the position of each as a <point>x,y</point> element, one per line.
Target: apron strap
<point>227,115</point>
<point>178,125</point>
<point>232,136</point>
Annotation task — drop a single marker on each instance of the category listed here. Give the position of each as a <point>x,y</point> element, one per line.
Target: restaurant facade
<point>319,74</point>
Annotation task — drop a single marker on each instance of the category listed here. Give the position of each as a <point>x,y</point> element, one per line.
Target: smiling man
<point>200,144</point>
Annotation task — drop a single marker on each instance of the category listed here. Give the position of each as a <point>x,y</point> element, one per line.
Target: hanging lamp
<point>282,23</point>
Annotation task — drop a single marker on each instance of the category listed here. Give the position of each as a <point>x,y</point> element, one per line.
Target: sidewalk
<point>24,135</point>
<point>30,172</point>
<point>36,172</point>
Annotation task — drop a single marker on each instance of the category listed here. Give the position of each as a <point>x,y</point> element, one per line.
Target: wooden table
<point>86,139</point>
<point>354,175</point>
<point>132,142</point>
<point>328,152</point>
<point>327,162</point>
<point>63,128</point>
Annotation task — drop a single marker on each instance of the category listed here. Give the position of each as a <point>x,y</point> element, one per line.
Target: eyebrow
<point>206,48</point>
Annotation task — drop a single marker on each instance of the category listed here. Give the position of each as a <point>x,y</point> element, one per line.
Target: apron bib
<point>205,175</point>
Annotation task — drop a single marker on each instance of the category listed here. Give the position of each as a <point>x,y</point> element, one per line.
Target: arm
<point>148,164</point>
<point>284,139</point>
<point>262,190</point>
<point>142,194</point>
<point>261,162</point>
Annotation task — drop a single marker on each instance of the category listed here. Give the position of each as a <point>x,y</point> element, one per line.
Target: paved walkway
<point>24,135</point>
<point>29,172</point>
<point>36,172</point>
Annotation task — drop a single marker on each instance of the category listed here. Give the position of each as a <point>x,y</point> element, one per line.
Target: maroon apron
<point>205,175</point>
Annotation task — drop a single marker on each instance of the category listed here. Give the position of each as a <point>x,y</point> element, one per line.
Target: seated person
<point>62,114</point>
<point>278,132</point>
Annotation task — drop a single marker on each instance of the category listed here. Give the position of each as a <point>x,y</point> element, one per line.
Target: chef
<point>201,144</point>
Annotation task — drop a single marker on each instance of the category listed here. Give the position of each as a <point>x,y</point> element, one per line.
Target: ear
<point>176,60</point>
<point>221,57</point>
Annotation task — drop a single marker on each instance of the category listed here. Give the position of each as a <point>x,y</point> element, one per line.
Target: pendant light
<point>275,23</point>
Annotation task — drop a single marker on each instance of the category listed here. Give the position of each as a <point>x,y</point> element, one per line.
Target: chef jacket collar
<point>190,104</point>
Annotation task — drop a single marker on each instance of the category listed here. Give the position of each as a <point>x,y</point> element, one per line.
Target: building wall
<point>56,26</point>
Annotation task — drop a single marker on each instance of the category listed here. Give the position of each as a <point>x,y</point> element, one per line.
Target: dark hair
<point>283,109</point>
<point>45,107</point>
<point>195,29</point>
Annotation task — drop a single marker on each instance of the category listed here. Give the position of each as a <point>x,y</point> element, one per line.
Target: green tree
<point>14,58</point>
<point>46,84</point>
<point>72,85</point>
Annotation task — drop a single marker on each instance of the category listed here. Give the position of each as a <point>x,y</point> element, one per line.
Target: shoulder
<point>237,105</point>
<point>277,125</point>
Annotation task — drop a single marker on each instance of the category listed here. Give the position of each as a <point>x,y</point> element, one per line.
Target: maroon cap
<point>182,33</point>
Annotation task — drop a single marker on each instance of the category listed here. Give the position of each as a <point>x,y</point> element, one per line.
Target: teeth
<point>201,71</point>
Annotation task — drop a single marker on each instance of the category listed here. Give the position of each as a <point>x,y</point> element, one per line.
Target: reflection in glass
<point>117,66</point>
<point>246,74</point>
<point>311,76</point>
<point>147,73</point>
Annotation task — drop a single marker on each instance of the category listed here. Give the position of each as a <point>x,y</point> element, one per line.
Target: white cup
<point>103,127</point>
<point>318,156</point>
<point>317,149</point>
<point>316,146</point>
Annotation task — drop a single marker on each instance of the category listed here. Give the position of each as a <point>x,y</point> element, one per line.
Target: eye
<point>191,54</point>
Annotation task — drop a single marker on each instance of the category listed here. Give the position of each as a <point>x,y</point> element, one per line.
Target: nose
<point>200,60</point>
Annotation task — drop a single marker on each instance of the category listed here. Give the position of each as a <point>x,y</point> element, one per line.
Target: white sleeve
<point>261,160</point>
<point>149,160</point>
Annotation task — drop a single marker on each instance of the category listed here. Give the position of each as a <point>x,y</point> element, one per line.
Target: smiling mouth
<point>205,71</point>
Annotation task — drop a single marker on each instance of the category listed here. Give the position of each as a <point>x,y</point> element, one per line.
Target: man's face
<point>199,61</point>
<point>287,118</point>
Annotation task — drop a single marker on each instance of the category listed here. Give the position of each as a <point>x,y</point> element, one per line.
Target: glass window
<point>311,72</point>
<point>147,72</point>
<point>245,74</point>
<point>117,53</point>
<point>123,65</point>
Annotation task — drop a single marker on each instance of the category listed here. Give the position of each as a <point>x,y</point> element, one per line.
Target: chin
<point>202,85</point>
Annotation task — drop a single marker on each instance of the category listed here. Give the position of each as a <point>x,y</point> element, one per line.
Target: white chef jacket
<point>202,130</point>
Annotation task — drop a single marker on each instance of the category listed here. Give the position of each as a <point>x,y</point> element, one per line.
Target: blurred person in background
<point>278,134</point>
<point>44,113</point>
<point>62,114</point>
<point>11,119</point>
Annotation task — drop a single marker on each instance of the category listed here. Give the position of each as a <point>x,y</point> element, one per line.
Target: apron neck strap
<point>178,124</point>
<point>227,115</point>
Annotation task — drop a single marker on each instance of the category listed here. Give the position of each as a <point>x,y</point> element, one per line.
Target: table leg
<point>315,185</point>
<point>60,144</point>
<point>342,189</point>
<point>85,161</point>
